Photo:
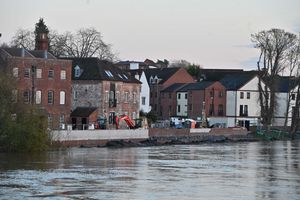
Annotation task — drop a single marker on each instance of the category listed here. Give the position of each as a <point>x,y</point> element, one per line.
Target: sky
<point>211,33</point>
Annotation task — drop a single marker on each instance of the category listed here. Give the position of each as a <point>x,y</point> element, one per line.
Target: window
<point>178,108</point>
<point>62,97</point>
<point>50,73</point>
<point>211,93</point>
<point>14,96</point>
<point>293,96</point>
<point>118,97</point>
<point>126,97</point>
<point>38,97</point>
<point>134,97</point>
<point>185,95</point>
<point>133,115</point>
<point>248,95</point>
<point>26,96</point>
<point>243,110</point>
<point>15,72</point>
<point>61,122</point>
<point>106,96</point>
<point>77,71</point>
<point>179,95</point>
<point>38,73</point>
<point>143,100</point>
<point>220,110</point>
<point>221,94</point>
<point>190,106</point>
<point>241,95</point>
<point>50,120</point>
<point>211,109</point>
<point>75,95</point>
<point>50,97</point>
<point>27,73</point>
<point>63,74</point>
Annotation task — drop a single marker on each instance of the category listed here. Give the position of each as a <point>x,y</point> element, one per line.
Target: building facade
<point>101,85</point>
<point>42,80</point>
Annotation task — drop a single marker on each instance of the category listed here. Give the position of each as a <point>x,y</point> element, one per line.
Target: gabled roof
<point>83,111</point>
<point>236,81</point>
<point>285,83</point>
<point>127,62</point>
<point>96,69</point>
<point>196,86</point>
<point>162,73</point>
<point>174,87</point>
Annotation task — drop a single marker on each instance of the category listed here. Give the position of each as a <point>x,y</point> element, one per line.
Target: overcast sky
<point>212,33</point>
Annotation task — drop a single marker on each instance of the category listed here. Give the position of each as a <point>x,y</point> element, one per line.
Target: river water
<point>255,170</point>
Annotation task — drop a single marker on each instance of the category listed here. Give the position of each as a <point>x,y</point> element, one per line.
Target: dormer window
<point>77,71</point>
<point>151,80</point>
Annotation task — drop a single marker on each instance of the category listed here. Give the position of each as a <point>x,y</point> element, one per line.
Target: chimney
<point>42,42</point>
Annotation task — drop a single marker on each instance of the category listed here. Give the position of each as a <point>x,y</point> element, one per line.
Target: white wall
<point>145,92</point>
<point>76,135</point>
<point>183,104</point>
<point>230,103</point>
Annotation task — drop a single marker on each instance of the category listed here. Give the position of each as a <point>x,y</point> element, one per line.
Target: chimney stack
<point>42,42</point>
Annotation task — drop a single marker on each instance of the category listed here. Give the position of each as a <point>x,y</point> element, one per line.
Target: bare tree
<point>273,45</point>
<point>292,62</point>
<point>23,38</point>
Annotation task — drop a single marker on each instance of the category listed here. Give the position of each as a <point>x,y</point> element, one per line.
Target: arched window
<point>62,97</point>
<point>38,97</point>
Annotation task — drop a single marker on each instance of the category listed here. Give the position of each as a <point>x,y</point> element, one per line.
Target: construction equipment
<point>128,121</point>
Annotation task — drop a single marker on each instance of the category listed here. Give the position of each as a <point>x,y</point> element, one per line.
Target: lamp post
<point>33,70</point>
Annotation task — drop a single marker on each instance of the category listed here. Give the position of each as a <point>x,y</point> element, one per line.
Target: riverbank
<point>149,137</point>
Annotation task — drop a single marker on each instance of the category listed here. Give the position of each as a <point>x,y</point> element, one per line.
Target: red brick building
<point>159,79</point>
<point>42,80</point>
<point>206,96</point>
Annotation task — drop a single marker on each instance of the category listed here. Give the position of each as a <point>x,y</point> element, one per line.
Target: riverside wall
<point>146,137</point>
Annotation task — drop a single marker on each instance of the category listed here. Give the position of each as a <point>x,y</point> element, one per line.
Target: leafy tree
<point>273,45</point>
<point>23,127</point>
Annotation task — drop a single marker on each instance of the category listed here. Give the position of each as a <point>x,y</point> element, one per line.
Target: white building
<point>286,94</point>
<point>242,99</point>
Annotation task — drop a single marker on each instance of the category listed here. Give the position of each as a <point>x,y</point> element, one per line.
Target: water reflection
<point>255,170</point>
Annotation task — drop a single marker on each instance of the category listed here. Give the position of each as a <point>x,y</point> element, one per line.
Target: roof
<point>174,87</point>
<point>21,52</point>
<point>216,74</point>
<point>162,73</point>
<point>236,81</point>
<point>17,52</point>
<point>285,83</point>
<point>196,86</point>
<point>96,69</point>
<point>127,62</point>
<point>83,111</point>
<point>42,54</point>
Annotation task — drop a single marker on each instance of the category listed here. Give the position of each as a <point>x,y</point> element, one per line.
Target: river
<point>255,170</point>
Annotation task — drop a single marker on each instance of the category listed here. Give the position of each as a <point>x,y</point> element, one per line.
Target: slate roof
<point>17,52</point>
<point>83,111</point>
<point>96,69</point>
<point>174,87</point>
<point>21,52</point>
<point>196,86</point>
<point>162,73</point>
<point>285,83</point>
<point>41,54</point>
<point>236,81</point>
<point>217,74</point>
<point>127,62</point>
